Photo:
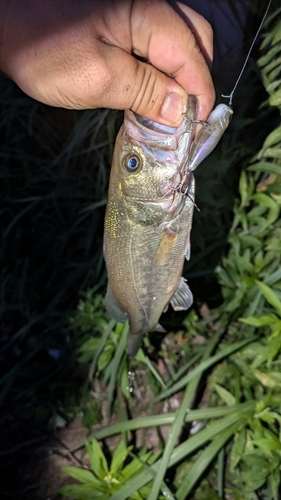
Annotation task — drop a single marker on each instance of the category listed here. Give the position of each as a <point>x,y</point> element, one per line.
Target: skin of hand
<point>124,54</point>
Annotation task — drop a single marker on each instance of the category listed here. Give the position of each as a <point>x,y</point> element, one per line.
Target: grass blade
<point>205,459</point>
<point>115,364</point>
<point>101,345</point>
<point>146,361</point>
<point>185,449</point>
<point>159,420</point>
<point>227,351</point>
<point>179,419</point>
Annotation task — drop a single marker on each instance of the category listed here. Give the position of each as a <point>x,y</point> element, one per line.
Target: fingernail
<point>173,108</point>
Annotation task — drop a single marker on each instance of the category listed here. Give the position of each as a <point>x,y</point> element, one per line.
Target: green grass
<point>54,174</point>
<point>236,454</point>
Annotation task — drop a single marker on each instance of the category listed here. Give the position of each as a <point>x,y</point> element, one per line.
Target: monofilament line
<point>230,96</point>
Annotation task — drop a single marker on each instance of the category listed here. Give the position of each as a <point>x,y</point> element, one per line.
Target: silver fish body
<point>148,221</point>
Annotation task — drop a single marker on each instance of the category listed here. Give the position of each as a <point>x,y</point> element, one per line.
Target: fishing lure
<point>217,123</point>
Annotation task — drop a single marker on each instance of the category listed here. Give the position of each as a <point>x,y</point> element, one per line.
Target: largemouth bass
<point>149,216</point>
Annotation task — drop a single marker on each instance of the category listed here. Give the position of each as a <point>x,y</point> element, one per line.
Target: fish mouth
<point>152,133</point>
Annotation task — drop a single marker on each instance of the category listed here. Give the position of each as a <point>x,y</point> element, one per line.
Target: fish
<point>148,220</point>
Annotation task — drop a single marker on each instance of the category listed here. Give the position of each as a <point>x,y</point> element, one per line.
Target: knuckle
<point>147,97</point>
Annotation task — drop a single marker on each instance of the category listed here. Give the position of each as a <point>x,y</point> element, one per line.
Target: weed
<point>235,449</point>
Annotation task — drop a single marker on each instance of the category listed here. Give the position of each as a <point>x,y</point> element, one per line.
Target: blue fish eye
<point>132,163</point>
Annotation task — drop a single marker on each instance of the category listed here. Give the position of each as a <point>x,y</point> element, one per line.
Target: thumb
<point>139,86</point>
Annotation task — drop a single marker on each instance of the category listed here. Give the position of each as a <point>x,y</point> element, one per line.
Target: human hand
<point>80,55</point>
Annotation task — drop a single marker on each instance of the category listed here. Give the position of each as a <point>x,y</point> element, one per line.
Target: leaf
<point>144,359</point>
<point>272,152</point>
<point>253,482</point>
<point>90,345</point>
<point>82,475</point>
<point>135,466</point>
<point>204,459</point>
<point>225,395</point>
<point>270,296</point>
<point>102,342</point>
<point>122,331</point>
<point>275,98</point>
<point>268,444</point>
<point>204,365</point>
<point>81,492</point>
<point>124,381</point>
<point>237,450</point>
<point>118,457</point>
<point>97,458</point>
<point>265,379</point>
<point>186,448</point>
<point>244,189</point>
<point>274,482</point>
<point>273,207</point>
<point>265,320</point>
<point>265,166</point>
<point>273,138</point>
<point>274,347</point>
<point>257,471</point>
<point>179,419</point>
<point>105,356</point>
<point>269,55</point>
<point>276,375</point>
<point>274,189</point>
<point>269,416</point>
<point>259,466</point>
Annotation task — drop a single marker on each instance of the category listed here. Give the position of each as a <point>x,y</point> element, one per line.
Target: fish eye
<point>132,163</point>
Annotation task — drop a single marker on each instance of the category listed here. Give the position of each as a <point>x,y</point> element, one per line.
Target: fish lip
<point>152,133</point>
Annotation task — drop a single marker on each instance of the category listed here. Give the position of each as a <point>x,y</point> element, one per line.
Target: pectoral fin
<point>113,309</point>
<point>182,298</point>
<point>187,249</point>
<point>159,328</point>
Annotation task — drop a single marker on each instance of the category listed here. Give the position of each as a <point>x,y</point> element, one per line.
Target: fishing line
<point>230,96</point>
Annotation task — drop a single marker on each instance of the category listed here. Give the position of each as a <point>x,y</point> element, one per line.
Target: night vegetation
<point>214,380</point>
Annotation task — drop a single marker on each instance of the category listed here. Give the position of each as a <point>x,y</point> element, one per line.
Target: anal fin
<point>159,328</point>
<point>182,298</point>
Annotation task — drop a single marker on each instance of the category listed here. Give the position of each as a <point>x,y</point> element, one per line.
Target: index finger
<point>160,35</point>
